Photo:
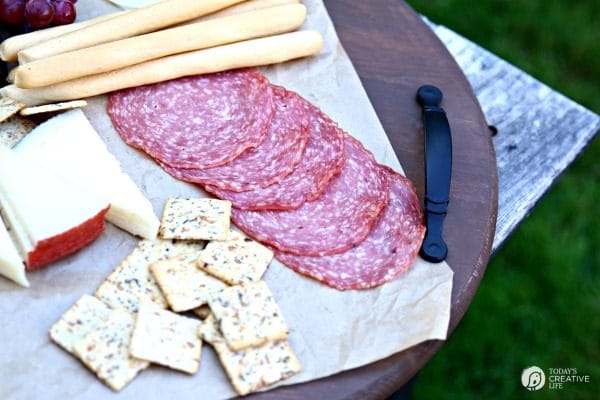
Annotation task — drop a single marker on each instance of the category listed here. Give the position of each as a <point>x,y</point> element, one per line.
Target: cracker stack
<point>127,326</point>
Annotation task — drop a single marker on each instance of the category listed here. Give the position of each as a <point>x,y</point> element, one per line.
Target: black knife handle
<point>438,169</point>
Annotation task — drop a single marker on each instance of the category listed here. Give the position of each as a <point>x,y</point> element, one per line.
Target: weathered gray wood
<point>540,131</point>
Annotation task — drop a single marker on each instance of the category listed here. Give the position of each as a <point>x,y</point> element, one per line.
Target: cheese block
<point>49,216</point>
<point>11,265</point>
<point>69,146</point>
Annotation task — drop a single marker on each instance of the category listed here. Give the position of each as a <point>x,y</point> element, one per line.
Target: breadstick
<point>11,46</point>
<point>246,6</point>
<point>249,53</point>
<point>122,53</point>
<point>135,22</point>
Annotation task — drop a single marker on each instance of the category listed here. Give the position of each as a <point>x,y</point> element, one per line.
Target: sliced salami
<point>322,159</point>
<point>389,250</point>
<point>338,220</point>
<point>267,163</point>
<point>195,122</point>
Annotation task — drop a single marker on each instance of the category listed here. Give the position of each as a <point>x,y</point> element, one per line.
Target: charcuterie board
<point>338,91</point>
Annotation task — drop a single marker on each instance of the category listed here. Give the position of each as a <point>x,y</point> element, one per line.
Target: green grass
<point>539,302</point>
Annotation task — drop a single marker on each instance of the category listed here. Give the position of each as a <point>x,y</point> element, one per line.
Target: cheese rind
<point>11,264</point>
<point>68,145</point>
<point>50,217</point>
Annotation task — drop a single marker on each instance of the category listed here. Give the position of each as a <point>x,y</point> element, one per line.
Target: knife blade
<point>438,171</point>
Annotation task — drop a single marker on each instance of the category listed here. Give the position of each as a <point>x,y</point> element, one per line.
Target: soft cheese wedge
<point>69,146</point>
<point>11,265</point>
<point>49,216</point>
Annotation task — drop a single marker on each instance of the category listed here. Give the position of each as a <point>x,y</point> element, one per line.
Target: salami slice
<point>338,220</point>
<point>269,162</point>
<point>322,159</point>
<point>195,122</point>
<point>389,250</point>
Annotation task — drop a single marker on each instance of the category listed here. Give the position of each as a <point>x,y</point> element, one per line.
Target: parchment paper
<point>331,331</point>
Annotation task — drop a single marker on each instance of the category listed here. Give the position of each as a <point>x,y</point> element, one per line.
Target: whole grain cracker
<point>13,130</point>
<point>47,108</point>
<point>184,286</point>
<point>195,219</point>
<point>255,367</point>
<point>132,278</point>
<point>106,351</point>
<point>236,260</point>
<point>248,315</point>
<point>85,316</point>
<point>166,338</point>
<point>9,107</point>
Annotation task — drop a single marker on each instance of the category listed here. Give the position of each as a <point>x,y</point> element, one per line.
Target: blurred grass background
<point>539,302</point>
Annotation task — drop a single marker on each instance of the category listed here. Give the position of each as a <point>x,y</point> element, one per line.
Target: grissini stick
<point>135,22</point>
<point>123,53</point>
<point>249,5</point>
<point>11,46</point>
<point>249,53</point>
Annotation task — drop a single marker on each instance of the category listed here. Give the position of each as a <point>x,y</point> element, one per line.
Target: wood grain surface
<point>394,53</point>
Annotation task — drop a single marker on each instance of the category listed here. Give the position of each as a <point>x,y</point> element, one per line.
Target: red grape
<point>64,12</point>
<point>11,11</point>
<point>39,13</point>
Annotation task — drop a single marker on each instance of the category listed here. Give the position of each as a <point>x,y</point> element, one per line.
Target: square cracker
<point>195,219</point>
<point>9,107</point>
<point>184,286</point>
<point>166,338</point>
<point>253,368</point>
<point>236,260</point>
<point>248,315</point>
<point>13,130</point>
<point>106,351</point>
<point>47,108</point>
<point>132,278</point>
<point>85,316</point>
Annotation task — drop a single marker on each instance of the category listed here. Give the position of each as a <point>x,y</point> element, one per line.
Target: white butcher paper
<point>330,331</point>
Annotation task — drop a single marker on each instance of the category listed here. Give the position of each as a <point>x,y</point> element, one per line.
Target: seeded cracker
<point>166,338</point>
<point>132,278</point>
<point>184,286</point>
<point>106,351</point>
<point>236,260</point>
<point>13,130</point>
<point>248,315</point>
<point>195,219</point>
<point>67,105</point>
<point>255,367</point>
<point>9,107</point>
<point>85,316</point>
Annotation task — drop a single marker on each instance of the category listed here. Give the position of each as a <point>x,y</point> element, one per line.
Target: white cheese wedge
<point>11,265</point>
<point>49,216</point>
<point>69,146</point>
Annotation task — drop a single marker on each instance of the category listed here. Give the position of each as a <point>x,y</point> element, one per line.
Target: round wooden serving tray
<point>394,53</point>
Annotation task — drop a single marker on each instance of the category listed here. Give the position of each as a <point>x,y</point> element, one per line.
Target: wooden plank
<point>540,131</point>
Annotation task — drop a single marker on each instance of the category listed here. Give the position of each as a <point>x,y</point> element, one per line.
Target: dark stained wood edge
<point>394,53</point>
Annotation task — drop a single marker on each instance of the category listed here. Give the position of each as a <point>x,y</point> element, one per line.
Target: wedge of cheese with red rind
<point>11,265</point>
<point>69,146</point>
<point>49,216</point>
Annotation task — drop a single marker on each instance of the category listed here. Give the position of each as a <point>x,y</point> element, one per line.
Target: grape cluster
<point>36,14</point>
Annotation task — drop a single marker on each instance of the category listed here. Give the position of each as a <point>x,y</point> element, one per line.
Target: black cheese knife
<point>438,169</point>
